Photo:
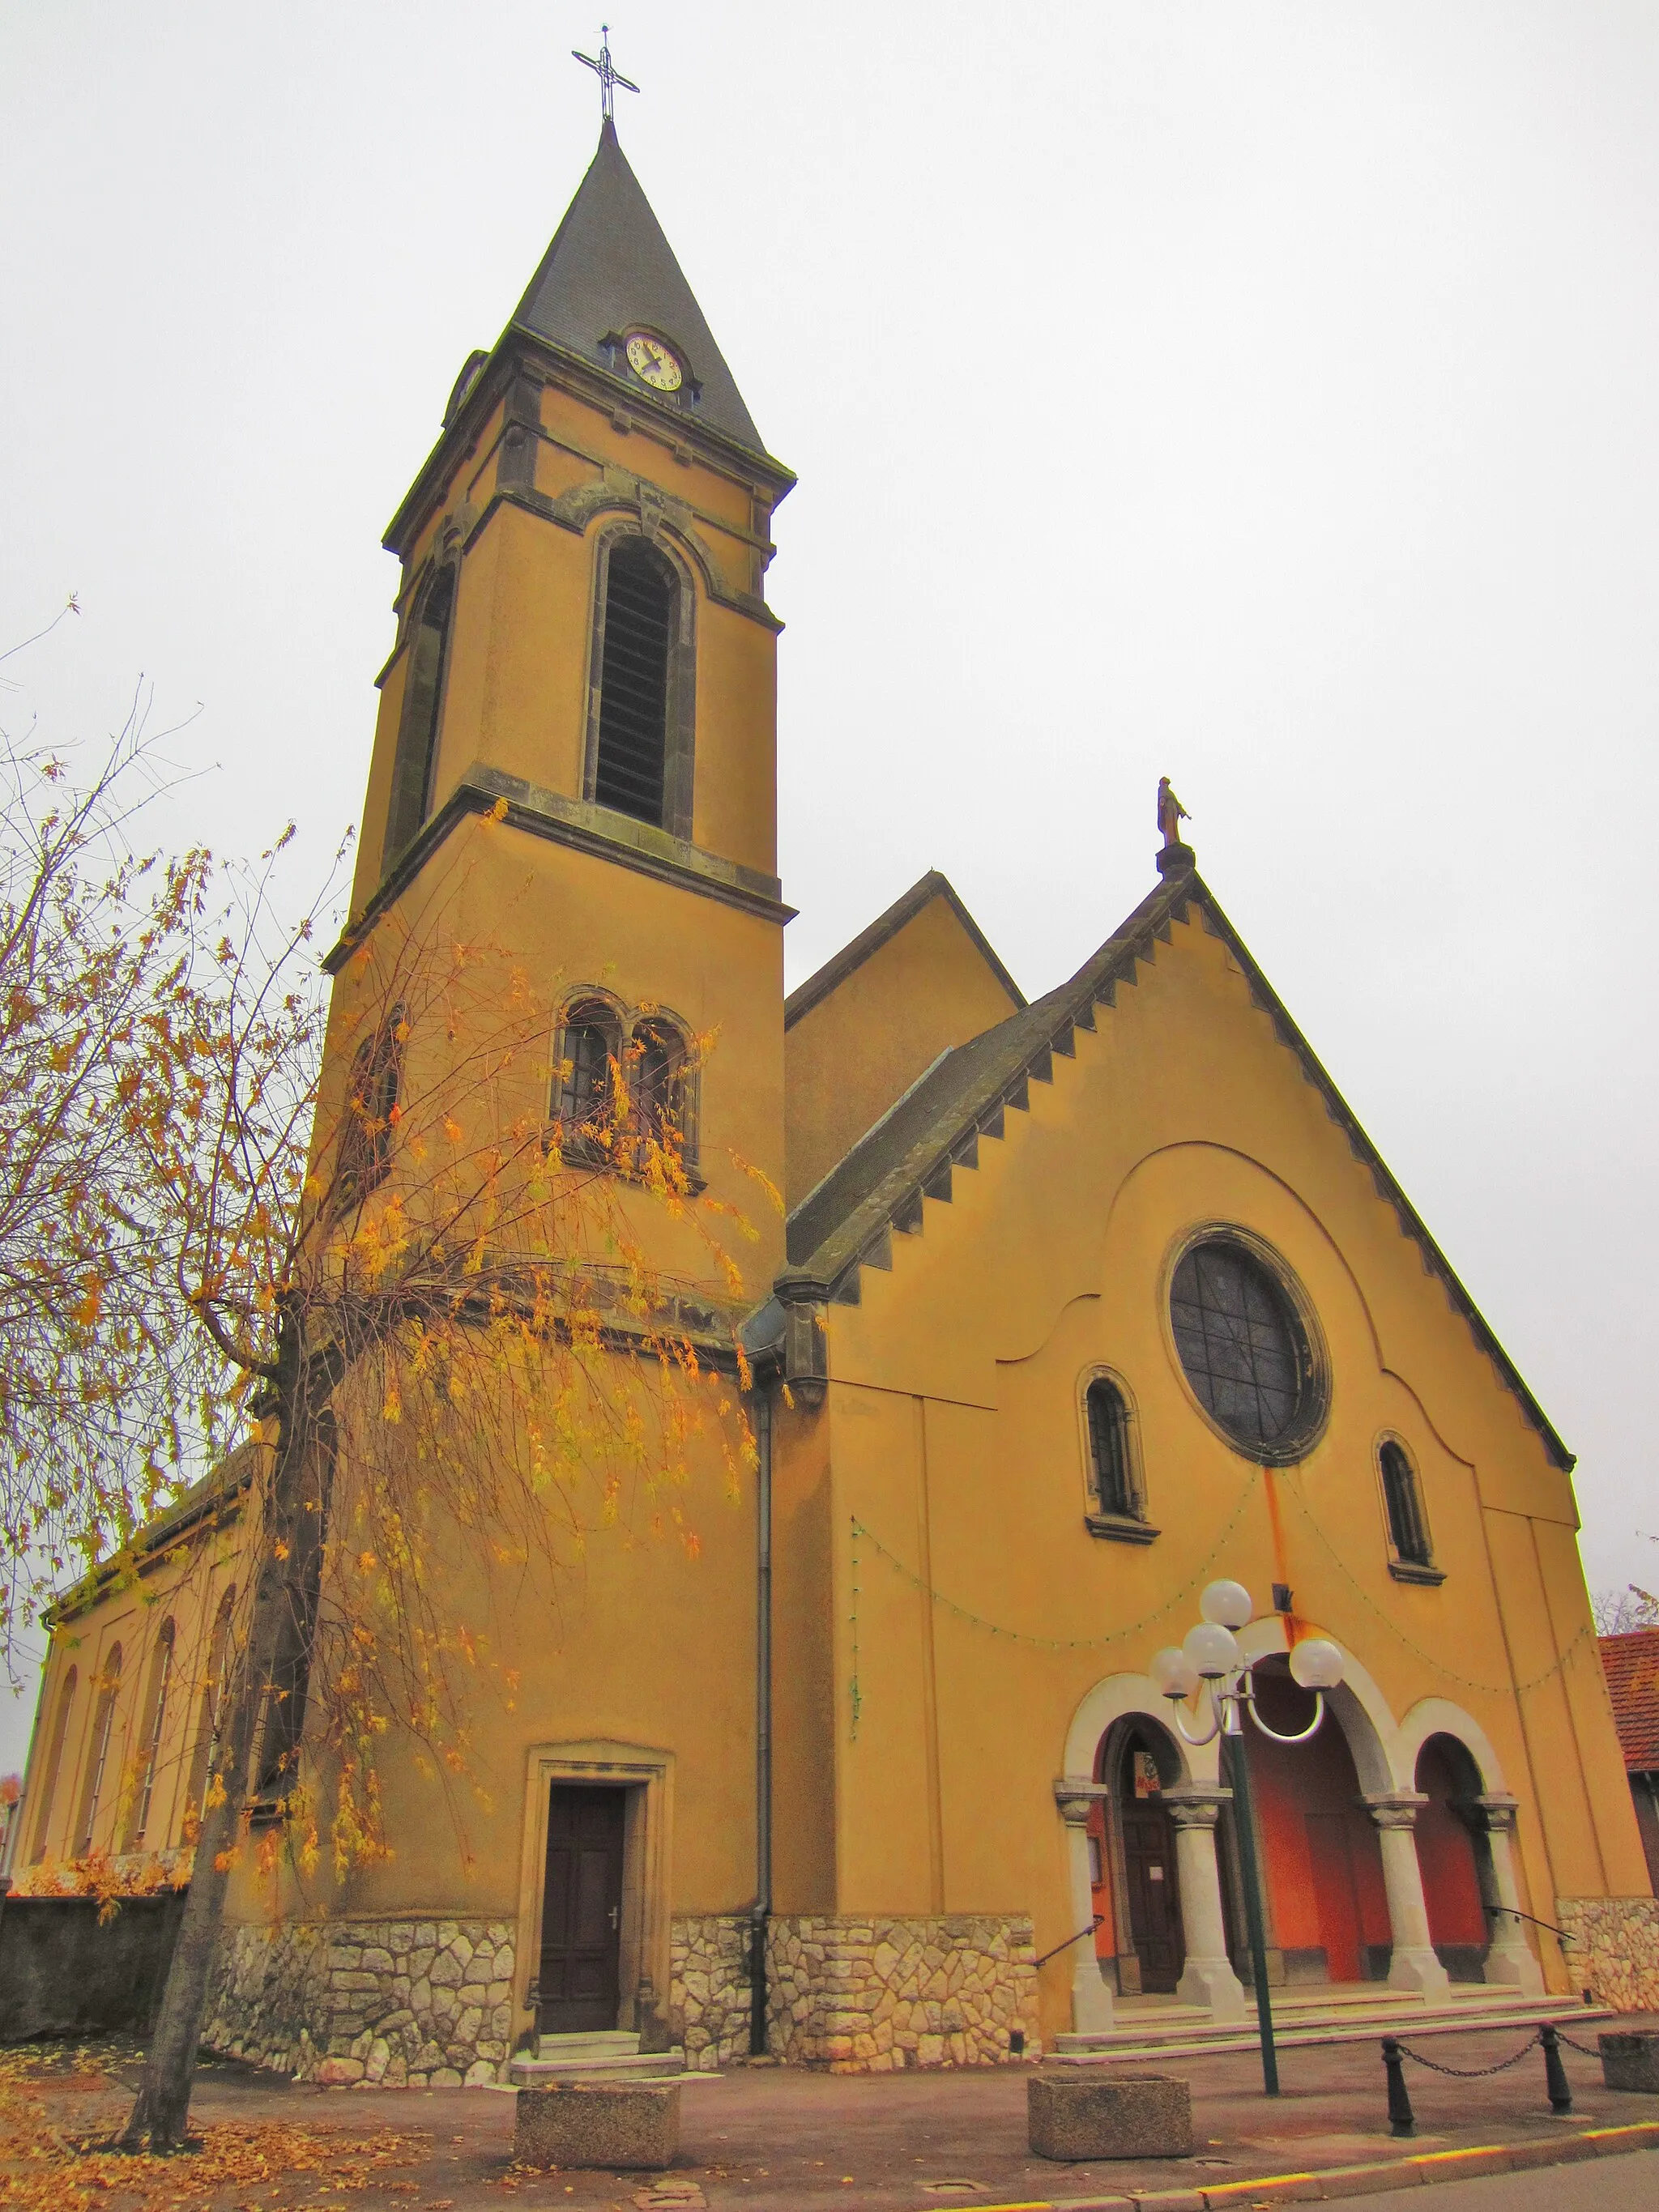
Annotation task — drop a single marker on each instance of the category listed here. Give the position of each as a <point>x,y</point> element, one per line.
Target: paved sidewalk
<point>778,2140</point>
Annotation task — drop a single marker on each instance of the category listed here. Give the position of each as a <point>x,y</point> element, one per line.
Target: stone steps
<point>1186,2032</point>
<point>608,2055</point>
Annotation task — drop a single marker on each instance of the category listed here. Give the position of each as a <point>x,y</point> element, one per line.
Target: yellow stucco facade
<point>904,1686</point>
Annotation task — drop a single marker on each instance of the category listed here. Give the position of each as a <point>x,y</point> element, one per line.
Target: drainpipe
<point>761,1911</point>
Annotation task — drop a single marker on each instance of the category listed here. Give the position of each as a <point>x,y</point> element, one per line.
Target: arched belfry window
<point>1117,1505</point>
<point>630,770</point>
<point>423,697</point>
<point>1402,1498</point>
<point>642,685</point>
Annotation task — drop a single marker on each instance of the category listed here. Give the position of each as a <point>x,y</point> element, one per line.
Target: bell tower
<point>583,638</point>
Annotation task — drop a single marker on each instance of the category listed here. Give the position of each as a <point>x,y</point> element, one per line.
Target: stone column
<point>1413,1965</point>
<point>1091,1999</point>
<point>1207,1977</point>
<point>1510,1961</point>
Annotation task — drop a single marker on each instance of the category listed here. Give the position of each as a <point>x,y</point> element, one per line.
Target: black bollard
<point>1402,2119</point>
<point>1555,2074</point>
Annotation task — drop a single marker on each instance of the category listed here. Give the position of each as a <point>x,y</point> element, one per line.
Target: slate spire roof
<point>611,269</point>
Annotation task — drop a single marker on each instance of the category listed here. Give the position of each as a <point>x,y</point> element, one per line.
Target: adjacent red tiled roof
<point>1631,1663</point>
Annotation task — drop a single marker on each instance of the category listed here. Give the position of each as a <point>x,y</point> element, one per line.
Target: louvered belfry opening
<point>423,699</point>
<point>633,747</point>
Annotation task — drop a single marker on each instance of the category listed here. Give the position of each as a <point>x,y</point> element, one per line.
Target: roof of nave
<point>847,1222</point>
<point>611,269</point>
<point>1631,1662</point>
<point>885,926</point>
<point>219,1492</point>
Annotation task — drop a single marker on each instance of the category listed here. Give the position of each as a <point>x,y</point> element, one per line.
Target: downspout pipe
<point>761,1911</point>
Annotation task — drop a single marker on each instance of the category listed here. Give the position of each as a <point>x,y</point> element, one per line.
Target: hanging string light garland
<point>1447,1674</point>
<point>966,1614</point>
<point>1017,1635</point>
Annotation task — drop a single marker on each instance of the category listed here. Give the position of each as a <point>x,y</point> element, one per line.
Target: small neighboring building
<point>1632,1665</point>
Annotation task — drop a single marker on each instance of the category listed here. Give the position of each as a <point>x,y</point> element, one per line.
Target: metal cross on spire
<point>609,79</point>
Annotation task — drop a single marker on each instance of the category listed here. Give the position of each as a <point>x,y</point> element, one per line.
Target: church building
<point>1075,1306</point>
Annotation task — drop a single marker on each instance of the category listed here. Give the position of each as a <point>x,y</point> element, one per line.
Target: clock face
<point>652,363</point>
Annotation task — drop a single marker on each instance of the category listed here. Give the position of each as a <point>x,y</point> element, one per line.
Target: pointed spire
<point>611,269</point>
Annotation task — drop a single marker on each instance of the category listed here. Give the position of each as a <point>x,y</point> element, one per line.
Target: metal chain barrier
<point>1476,2073</point>
<point>1583,2049</point>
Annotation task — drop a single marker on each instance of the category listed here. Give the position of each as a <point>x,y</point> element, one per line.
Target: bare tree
<point>96,1415</point>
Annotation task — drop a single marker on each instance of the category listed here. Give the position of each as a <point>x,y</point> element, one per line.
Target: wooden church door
<point>581,1911</point>
<point>1149,1873</point>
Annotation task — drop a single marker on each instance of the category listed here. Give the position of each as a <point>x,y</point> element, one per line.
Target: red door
<point>581,1911</point>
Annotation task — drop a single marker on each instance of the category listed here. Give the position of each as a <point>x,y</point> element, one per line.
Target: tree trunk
<point>162,2108</point>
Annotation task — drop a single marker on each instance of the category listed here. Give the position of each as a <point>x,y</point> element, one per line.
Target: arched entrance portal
<point>1455,1859</point>
<point>1327,1906</point>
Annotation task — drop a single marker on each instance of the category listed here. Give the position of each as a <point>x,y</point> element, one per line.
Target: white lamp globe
<point>1228,1604</point>
<point>1212,1651</point>
<point>1174,1673</point>
<point>1316,1663</point>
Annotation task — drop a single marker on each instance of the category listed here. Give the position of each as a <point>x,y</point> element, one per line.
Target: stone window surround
<point>1403,1570</point>
<point>645,1968</point>
<point>679,736</point>
<point>1119,1528</point>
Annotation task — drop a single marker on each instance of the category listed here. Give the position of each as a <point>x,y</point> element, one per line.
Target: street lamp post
<point>1210,1656</point>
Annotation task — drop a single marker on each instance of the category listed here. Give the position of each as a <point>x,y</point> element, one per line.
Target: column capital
<point>1394,1808</point>
<point>1195,1804</point>
<point>1075,1795</point>
<point>1494,1811</point>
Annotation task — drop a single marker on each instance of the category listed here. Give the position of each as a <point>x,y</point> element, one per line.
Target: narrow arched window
<point>1409,1530</point>
<point>48,1784</point>
<point>103,1728</point>
<point>155,1713</point>
<point>423,699</point>
<point>367,1116</point>
<point>631,761</point>
<point>1113,1474</point>
<point>205,1759</point>
<point>584,1087</point>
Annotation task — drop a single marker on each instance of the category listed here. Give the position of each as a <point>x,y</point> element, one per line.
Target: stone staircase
<point>1161,2027</point>
<point>611,2054</point>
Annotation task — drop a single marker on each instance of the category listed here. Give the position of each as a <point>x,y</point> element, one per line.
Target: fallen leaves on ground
<point>49,2161</point>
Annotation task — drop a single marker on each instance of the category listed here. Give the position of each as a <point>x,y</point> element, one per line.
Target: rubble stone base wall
<point>1615,1948</point>
<point>877,1995</point>
<point>427,2003</point>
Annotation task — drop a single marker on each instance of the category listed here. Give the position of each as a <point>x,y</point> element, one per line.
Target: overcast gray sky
<point>1262,393</point>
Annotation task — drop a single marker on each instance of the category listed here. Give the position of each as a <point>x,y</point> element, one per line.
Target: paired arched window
<point>103,1729</point>
<point>48,1782</point>
<point>364,1149</point>
<point>1403,1496</point>
<point>423,698</point>
<point>155,1713</point>
<point>623,1093</point>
